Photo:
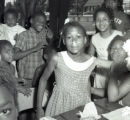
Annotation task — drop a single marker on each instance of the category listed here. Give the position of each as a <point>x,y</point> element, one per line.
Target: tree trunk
<point>58,13</point>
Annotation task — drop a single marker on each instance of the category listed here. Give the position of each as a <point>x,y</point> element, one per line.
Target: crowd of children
<point>107,56</point>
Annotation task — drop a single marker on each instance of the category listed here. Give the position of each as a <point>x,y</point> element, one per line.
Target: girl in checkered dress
<point>72,69</point>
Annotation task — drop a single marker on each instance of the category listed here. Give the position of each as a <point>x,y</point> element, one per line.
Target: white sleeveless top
<point>101,44</point>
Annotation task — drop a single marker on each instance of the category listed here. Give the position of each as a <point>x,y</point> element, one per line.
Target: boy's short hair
<point>37,13</point>
<point>5,81</point>
<point>4,43</point>
<point>11,11</point>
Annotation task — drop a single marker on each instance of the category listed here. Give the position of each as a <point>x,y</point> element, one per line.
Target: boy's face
<point>7,54</point>
<point>10,20</point>
<point>38,23</point>
<point>8,110</point>
<point>117,53</point>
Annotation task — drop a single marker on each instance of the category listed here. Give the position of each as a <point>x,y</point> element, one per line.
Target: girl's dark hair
<point>11,11</point>
<point>106,10</point>
<point>71,25</point>
<point>4,43</point>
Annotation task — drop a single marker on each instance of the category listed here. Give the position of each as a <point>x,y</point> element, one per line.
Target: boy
<point>29,47</point>
<point>6,57</point>
<point>8,99</point>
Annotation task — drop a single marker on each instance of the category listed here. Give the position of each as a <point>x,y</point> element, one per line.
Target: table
<point>102,105</point>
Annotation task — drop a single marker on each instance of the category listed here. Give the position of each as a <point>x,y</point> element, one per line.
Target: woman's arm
<point>42,84</point>
<point>116,91</point>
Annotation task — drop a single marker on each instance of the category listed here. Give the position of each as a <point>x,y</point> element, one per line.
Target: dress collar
<point>76,66</point>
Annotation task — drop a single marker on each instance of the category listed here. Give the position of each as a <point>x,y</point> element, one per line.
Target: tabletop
<point>102,105</point>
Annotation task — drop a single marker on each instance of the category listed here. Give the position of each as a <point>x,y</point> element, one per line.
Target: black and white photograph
<point>64,59</point>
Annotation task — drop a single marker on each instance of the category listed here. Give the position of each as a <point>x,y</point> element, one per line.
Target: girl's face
<point>8,110</point>
<point>117,53</point>
<point>10,20</point>
<point>7,54</point>
<point>103,22</point>
<point>75,40</point>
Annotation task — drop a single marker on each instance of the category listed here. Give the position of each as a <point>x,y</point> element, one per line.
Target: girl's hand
<point>40,113</point>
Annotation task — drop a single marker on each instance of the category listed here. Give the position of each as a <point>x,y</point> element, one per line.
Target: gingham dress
<point>72,85</point>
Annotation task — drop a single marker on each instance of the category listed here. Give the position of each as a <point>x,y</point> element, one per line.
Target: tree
<point>76,6</point>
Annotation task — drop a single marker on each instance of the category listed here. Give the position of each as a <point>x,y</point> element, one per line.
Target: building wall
<point>126,6</point>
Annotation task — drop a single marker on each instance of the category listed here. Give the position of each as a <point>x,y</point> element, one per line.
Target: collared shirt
<point>28,40</point>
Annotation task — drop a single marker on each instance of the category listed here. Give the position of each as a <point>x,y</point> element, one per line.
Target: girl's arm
<point>98,91</point>
<point>116,91</point>
<point>91,50</point>
<point>42,84</point>
<point>103,63</point>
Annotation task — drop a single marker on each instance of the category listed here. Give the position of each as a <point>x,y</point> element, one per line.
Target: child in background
<point>119,83</point>
<point>6,57</point>
<point>72,69</point>
<point>8,99</point>
<point>29,50</point>
<point>99,43</point>
<point>30,46</point>
<point>12,28</point>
